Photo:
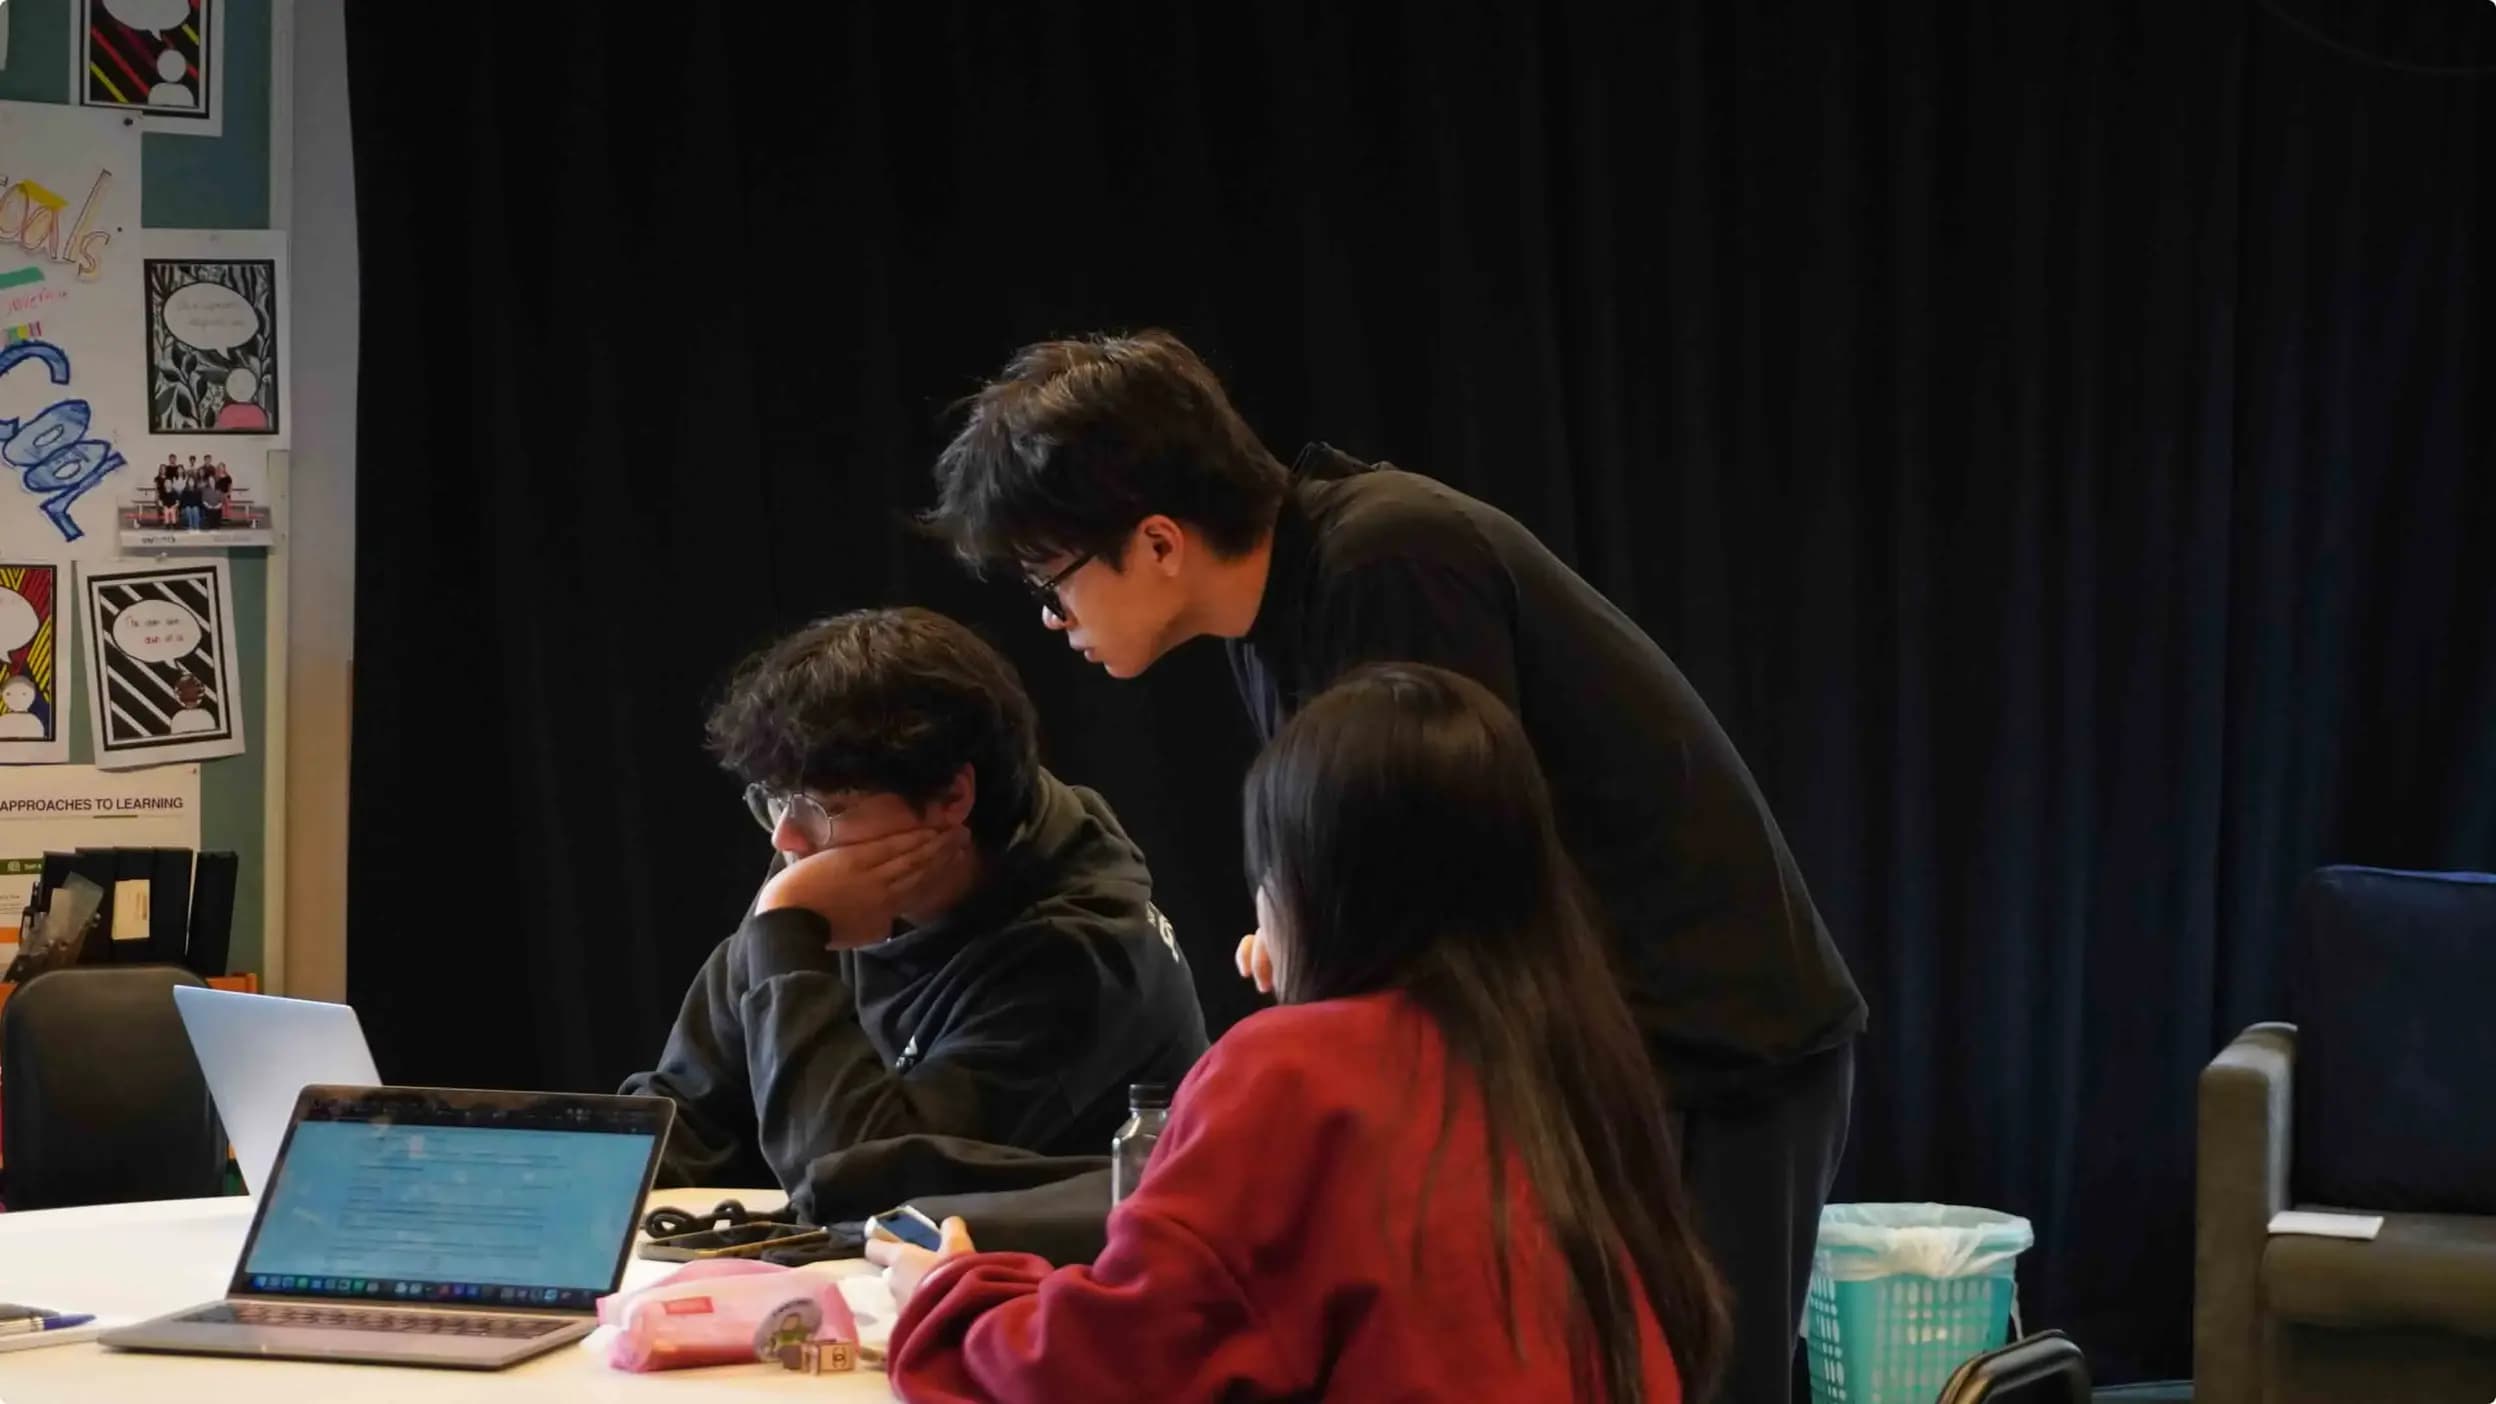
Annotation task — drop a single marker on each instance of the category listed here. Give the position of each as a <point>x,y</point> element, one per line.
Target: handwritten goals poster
<point>71,395</point>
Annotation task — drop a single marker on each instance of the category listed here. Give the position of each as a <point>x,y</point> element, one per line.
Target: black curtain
<point>2055,439</point>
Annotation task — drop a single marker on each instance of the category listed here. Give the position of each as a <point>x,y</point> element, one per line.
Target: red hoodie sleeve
<point>1162,1314</point>
<point>1158,1317</point>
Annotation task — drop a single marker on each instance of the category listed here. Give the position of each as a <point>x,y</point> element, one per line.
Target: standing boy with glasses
<point>952,941</point>
<point>1112,474</point>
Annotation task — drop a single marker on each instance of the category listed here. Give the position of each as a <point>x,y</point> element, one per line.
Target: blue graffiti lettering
<point>52,451</point>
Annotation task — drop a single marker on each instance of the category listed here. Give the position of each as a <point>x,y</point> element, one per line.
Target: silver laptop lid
<point>427,1196</point>
<point>257,1052</point>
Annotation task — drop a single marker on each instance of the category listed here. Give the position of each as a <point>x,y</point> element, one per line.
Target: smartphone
<point>910,1226</point>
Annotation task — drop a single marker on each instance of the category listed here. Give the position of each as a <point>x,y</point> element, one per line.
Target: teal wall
<point>186,182</point>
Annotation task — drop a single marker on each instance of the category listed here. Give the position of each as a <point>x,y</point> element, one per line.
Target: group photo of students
<point>192,495</point>
<point>1685,704</point>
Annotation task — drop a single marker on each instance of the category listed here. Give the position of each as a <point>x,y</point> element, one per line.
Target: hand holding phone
<point>908,1225</point>
<point>892,1244</point>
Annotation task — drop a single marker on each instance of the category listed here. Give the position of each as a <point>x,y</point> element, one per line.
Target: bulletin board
<point>204,124</point>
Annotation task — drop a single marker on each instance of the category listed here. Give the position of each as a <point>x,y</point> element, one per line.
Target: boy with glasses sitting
<point>952,941</point>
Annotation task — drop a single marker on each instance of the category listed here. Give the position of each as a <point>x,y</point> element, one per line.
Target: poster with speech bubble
<point>163,61</point>
<point>34,683</point>
<point>160,641</point>
<point>215,382</point>
<point>215,333</point>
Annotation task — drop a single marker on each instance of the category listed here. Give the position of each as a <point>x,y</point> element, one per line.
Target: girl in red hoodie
<point>1438,1170</point>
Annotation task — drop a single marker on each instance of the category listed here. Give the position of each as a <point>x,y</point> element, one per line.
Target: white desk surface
<point>131,1261</point>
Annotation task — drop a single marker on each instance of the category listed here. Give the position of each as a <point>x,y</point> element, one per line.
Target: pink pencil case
<point>725,1311</point>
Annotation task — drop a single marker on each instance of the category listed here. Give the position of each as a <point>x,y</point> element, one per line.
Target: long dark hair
<point>1402,832</point>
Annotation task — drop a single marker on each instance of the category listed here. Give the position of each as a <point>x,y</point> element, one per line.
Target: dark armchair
<point>2380,1099</point>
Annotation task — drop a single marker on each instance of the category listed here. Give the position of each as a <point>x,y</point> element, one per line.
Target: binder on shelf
<point>48,878</point>
<point>134,884</point>
<point>55,870</point>
<point>101,866</point>
<point>212,913</point>
<point>169,897</point>
<point>51,873</point>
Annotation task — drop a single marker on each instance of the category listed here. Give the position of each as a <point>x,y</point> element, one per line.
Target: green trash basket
<point>1903,1294</point>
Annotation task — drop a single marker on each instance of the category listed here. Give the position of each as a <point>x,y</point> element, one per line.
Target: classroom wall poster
<point>62,807</point>
<point>214,305</point>
<point>69,308</point>
<point>214,321</point>
<point>160,644</point>
<point>161,61</point>
<point>34,683</point>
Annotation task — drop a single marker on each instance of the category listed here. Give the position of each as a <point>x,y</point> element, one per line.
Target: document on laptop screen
<point>473,1204</point>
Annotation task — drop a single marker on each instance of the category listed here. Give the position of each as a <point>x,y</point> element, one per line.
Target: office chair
<point>103,1100</point>
<point>2046,1368</point>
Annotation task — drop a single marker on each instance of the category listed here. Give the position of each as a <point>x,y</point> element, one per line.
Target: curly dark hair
<point>894,700</point>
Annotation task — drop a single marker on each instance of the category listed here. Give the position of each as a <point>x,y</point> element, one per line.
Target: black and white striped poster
<point>164,682</point>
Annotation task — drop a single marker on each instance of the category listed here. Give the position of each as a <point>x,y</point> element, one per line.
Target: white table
<point>130,1261</point>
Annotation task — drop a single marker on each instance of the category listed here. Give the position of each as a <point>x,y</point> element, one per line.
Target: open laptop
<point>426,1226</point>
<point>257,1051</point>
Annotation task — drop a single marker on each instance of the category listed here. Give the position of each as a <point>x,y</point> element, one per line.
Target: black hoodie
<point>1019,1018</point>
<point>1728,966</point>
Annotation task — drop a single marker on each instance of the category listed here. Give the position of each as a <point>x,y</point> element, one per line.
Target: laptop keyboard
<point>405,1323</point>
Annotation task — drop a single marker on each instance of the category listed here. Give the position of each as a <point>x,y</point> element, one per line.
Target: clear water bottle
<point>1132,1148</point>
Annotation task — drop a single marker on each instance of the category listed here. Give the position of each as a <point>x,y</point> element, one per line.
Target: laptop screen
<point>454,1198</point>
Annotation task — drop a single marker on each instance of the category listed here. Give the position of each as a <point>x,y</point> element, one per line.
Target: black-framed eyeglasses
<point>770,806</point>
<point>1046,590</point>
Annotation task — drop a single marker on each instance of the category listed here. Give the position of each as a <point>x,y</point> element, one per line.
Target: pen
<point>29,1325</point>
